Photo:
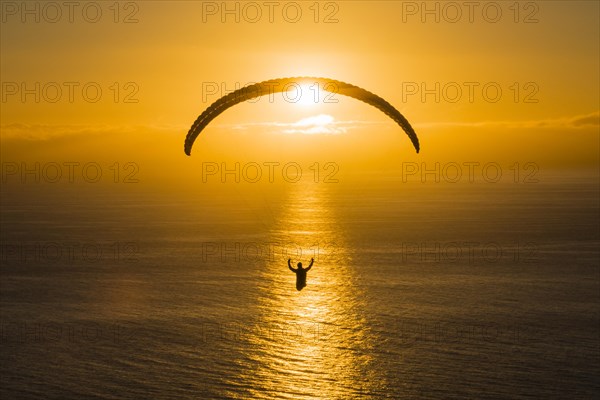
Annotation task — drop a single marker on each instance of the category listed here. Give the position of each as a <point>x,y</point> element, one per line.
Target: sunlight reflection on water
<point>321,349</point>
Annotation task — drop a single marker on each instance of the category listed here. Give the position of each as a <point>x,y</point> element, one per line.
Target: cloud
<point>579,121</point>
<point>48,131</point>
<point>592,119</point>
<point>316,124</point>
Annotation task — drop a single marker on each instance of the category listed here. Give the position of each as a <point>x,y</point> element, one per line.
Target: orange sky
<point>154,61</point>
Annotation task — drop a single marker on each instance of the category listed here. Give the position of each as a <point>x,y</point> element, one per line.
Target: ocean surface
<point>418,291</point>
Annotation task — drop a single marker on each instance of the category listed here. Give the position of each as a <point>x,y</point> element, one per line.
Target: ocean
<point>418,290</point>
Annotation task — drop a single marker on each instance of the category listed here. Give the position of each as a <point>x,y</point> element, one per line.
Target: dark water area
<point>418,292</point>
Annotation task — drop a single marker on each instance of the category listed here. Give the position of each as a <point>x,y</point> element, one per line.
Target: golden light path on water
<point>316,344</point>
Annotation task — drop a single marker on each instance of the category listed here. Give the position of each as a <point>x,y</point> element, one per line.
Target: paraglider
<point>300,273</point>
<point>286,85</point>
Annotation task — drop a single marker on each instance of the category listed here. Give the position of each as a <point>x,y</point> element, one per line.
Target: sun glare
<point>306,94</point>
<point>315,124</point>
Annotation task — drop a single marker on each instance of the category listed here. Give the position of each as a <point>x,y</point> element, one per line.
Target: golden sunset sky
<point>159,64</point>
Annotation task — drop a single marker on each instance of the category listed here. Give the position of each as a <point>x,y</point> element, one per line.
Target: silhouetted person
<point>300,273</point>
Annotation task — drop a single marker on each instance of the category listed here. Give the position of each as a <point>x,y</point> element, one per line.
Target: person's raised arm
<point>290,265</point>
<point>312,260</point>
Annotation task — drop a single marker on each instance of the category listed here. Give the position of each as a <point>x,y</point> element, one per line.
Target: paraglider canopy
<point>287,84</point>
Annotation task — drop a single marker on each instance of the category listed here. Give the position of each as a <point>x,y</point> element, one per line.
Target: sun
<point>305,94</point>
